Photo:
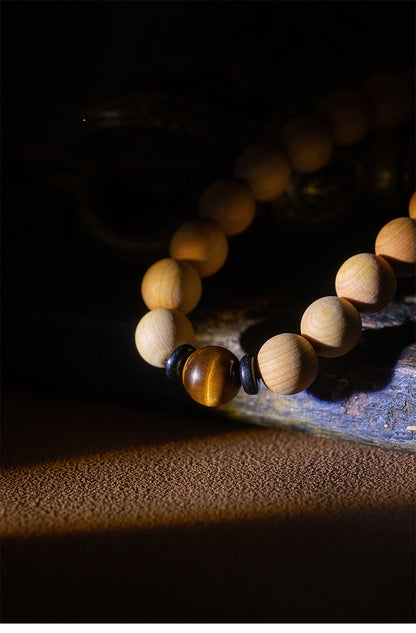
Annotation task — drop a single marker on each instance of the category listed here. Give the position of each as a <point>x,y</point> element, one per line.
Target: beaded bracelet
<point>331,326</point>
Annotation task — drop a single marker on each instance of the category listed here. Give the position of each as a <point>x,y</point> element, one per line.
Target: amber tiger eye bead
<point>210,376</point>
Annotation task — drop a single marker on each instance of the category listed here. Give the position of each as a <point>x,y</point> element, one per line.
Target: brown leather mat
<point>117,514</point>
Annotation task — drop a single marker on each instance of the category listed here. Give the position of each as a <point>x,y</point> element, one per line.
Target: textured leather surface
<point>117,514</point>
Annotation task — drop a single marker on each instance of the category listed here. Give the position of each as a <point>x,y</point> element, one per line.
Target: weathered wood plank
<point>369,395</point>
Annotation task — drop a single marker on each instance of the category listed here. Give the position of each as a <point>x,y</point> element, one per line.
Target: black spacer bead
<point>248,375</point>
<point>177,360</point>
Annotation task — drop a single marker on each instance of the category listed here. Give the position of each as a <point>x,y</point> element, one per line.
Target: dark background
<point>114,118</point>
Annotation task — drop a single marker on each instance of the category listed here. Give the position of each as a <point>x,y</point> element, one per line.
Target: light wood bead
<point>332,325</point>
<point>209,376</point>
<point>173,284</point>
<point>367,281</point>
<point>160,332</point>
<point>396,242</point>
<point>229,203</point>
<point>390,99</point>
<point>265,169</point>
<point>348,115</point>
<point>308,144</point>
<point>202,243</point>
<point>287,363</point>
<point>412,206</point>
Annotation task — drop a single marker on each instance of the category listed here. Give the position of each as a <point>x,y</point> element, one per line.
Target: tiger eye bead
<point>367,281</point>
<point>287,364</point>
<point>307,143</point>
<point>396,242</point>
<point>210,376</point>
<point>265,169</point>
<point>229,203</point>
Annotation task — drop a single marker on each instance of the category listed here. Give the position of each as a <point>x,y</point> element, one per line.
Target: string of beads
<point>331,326</point>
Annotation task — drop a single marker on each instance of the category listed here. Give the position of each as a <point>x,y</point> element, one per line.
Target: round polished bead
<point>170,283</point>
<point>307,142</point>
<point>210,376</point>
<point>202,243</point>
<point>390,98</point>
<point>332,325</point>
<point>160,332</point>
<point>229,203</point>
<point>287,363</point>
<point>412,207</point>
<point>367,281</point>
<point>396,242</point>
<point>265,169</point>
<point>177,360</point>
<point>348,115</point>
<point>248,374</point>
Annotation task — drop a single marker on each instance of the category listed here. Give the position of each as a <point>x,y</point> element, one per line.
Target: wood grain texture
<point>368,281</point>
<point>160,332</point>
<point>369,395</point>
<point>396,242</point>
<point>201,242</point>
<point>173,284</point>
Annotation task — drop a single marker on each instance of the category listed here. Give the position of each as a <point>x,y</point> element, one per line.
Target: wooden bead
<point>287,363</point>
<point>412,207</point>
<point>396,242</point>
<point>210,376</point>
<point>390,99</point>
<point>265,169</point>
<point>307,143</point>
<point>229,203</point>
<point>173,284</point>
<point>367,281</point>
<point>202,243</point>
<point>332,325</point>
<point>348,115</point>
<point>160,332</point>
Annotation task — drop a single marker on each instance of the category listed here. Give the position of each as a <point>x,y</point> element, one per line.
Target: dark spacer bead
<point>248,375</point>
<point>177,360</point>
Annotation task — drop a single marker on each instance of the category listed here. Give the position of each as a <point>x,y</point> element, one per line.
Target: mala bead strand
<point>330,326</point>
<point>367,281</point>
<point>173,284</point>
<point>229,203</point>
<point>202,243</point>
